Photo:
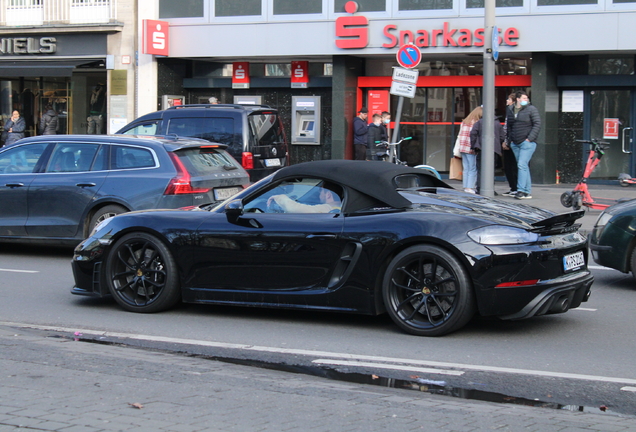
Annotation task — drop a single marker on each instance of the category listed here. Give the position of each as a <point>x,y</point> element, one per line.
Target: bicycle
<point>389,154</point>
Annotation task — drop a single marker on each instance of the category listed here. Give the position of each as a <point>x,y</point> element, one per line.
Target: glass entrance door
<point>619,158</point>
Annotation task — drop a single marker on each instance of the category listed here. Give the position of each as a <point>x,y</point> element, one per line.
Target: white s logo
<point>158,39</point>
<point>240,73</point>
<point>299,73</point>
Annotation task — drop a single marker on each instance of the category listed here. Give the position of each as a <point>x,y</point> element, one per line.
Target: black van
<point>253,134</point>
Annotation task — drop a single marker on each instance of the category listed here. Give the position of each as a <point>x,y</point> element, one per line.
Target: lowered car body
<point>401,241</point>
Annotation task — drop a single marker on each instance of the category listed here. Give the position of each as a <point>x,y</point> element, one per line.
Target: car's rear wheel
<point>141,274</point>
<point>428,292</point>
<point>104,213</point>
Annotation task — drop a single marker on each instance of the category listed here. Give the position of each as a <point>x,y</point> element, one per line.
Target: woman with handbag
<point>469,158</point>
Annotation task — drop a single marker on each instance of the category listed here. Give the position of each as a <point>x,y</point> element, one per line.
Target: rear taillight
<point>247,160</point>
<point>182,183</point>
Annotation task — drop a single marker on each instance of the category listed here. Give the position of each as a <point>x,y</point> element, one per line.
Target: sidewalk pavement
<point>549,197</point>
<point>58,384</point>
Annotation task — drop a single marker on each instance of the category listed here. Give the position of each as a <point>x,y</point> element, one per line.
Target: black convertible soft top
<point>375,179</point>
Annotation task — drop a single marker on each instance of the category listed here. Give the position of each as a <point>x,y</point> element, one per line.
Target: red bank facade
<point>576,61</point>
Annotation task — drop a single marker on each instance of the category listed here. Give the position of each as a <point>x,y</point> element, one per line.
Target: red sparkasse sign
<point>241,75</point>
<point>299,74</point>
<point>156,37</point>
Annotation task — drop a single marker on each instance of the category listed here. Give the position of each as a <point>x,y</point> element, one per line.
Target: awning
<point>34,68</point>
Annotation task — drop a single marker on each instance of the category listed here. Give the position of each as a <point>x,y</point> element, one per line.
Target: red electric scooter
<point>580,196</point>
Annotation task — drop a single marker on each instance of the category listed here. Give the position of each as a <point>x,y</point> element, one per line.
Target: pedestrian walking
<point>50,122</point>
<point>360,134</point>
<point>509,160</point>
<point>469,158</point>
<point>524,124</point>
<point>14,127</point>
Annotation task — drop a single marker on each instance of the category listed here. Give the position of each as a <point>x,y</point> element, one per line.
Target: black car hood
<point>490,209</point>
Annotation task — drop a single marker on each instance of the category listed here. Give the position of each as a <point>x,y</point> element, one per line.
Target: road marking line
<point>629,389</point>
<point>19,271</point>
<point>387,366</point>
<point>320,354</point>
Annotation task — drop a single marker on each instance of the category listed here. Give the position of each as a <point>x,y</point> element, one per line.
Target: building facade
<point>74,56</point>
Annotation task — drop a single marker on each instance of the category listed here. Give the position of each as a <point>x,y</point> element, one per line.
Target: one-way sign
<point>403,89</point>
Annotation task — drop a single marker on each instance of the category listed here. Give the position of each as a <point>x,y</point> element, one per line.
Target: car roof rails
<point>213,106</point>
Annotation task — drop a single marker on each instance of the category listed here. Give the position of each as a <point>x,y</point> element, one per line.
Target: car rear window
<point>204,160</point>
<point>214,129</point>
<point>266,128</point>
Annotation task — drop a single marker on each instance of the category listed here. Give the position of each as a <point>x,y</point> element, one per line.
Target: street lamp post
<point>487,180</point>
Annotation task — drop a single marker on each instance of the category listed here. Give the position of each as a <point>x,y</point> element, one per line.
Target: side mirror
<point>234,209</point>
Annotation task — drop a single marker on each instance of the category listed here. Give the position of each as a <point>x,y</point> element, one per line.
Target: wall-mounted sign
<point>28,45</point>
<point>119,82</point>
<point>156,37</point>
<point>299,74</point>
<point>378,101</point>
<point>572,101</point>
<point>241,75</point>
<point>610,128</point>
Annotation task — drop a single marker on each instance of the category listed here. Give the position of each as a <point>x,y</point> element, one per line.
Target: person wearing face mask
<point>384,127</point>
<point>375,134</point>
<point>524,124</point>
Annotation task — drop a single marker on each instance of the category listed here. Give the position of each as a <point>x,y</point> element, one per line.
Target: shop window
<point>363,5</point>
<point>410,5</point>
<point>611,65</point>
<point>470,4</point>
<point>565,2</point>
<point>328,69</point>
<point>278,70</point>
<point>291,7</point>
<point>234,7</point>
<point>182,8</point>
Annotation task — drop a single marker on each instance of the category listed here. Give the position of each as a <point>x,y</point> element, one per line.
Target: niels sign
<point>352,32</point>
<point>28,45</point>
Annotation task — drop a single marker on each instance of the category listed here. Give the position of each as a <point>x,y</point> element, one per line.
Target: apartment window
<point>181,9</point>
<point>498,3</point>
<point>363,5</point>
<point>414,5</point>
<point>233,8</point>
<point>565,2</point>
<point>294,7</point>
<point>26,3</point>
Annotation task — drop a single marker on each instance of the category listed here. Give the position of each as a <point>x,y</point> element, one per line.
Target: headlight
<point>603,219</point>
<point>502,235</point>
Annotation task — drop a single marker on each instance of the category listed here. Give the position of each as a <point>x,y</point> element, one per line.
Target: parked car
<point>347,236</point>
<point>254,134</point>
<point>56,188</point>
<point>613,239</point>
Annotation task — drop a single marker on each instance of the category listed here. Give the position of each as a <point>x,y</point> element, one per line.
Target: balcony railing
<point>56,12</point>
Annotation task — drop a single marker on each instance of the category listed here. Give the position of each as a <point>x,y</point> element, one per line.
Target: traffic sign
<point>409,56</point>
<point>495,43</point>
<point>408,76</point>
<point>403,89</point>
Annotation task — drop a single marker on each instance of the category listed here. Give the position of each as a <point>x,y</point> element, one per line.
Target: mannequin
<point>97,108</point>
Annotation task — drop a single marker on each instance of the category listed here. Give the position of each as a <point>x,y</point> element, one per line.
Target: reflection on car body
<point>402,241</point>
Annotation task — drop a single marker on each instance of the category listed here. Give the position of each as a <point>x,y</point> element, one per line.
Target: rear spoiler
<point>557,224</point>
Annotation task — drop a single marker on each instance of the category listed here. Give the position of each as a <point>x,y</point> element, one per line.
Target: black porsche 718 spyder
<point>392,238</point>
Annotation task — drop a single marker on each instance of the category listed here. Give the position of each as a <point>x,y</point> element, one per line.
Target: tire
<point>632,262</point>
<point>428,292</point>
<point>566,199</point>
<point>105,213</point>
<point>623,183</point>
<point>577,201</point>
<point>141,274</point>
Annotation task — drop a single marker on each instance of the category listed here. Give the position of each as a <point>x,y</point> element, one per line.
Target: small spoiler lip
<point>561,221</point>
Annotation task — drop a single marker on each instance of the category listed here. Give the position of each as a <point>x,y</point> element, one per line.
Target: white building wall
<point>147,80</point>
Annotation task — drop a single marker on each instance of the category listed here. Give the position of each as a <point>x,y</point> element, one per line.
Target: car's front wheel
<point>428,292</point>
<point>141,274</point>
<point>104,213</point>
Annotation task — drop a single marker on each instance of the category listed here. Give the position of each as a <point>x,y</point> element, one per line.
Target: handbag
<point>455,171</point>
<point>456,151</point>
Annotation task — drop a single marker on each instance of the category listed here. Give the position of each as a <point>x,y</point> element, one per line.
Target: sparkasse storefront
<point>576,61</point>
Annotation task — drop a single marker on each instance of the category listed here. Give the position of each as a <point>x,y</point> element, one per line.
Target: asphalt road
<point>583,358</point>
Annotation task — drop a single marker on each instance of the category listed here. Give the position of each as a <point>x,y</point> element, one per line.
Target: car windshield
<point>204,160</point>
<point>266,128</point>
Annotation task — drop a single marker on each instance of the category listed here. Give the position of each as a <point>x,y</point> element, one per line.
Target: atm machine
<point>305,120</point>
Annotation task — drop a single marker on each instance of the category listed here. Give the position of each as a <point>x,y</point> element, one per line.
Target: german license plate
<point>225,193</point>
<point>272,162</point>
<point>573,261</point>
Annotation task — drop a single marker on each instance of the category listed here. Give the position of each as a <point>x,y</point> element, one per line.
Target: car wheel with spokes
<point>428,292</point>
<point>141,274</point>
<point>104,213</point>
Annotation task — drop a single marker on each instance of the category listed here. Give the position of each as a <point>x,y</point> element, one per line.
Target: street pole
<point>396,131</point>
<point>487,185</point>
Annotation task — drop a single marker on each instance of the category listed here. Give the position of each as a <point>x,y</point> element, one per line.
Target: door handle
<point>83,185</point>
<point>312,236</point>
<point>630,139</point>
<point>14,185</point>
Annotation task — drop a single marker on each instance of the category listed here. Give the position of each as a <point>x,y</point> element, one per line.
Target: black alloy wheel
<point>141,274</point>
<point>427,291</point>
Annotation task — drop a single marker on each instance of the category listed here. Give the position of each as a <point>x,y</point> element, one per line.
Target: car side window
<point>21,159</point>
<point>149,128</point>
<point>125,157</point>
<point>72,157</point>
<point>299,195</point>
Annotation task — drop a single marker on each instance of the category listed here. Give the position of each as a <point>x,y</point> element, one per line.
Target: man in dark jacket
<point>49,123</point>
<point>360,134</point>
<point>375,134</point>
<point>524,124</point>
